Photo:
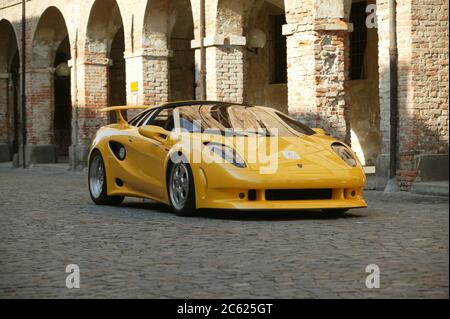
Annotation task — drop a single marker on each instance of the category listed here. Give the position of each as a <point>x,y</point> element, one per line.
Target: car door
<point>151,153</point>
<point>130,170</point>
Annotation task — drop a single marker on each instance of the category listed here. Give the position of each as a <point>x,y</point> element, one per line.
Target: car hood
<point>311,153</point>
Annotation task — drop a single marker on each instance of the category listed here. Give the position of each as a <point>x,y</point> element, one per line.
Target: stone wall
<point>422,32</point>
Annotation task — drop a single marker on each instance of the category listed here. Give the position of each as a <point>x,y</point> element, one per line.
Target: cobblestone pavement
<point>141,249</point>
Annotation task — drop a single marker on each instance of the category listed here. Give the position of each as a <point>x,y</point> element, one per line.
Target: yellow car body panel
<point>220,185</point>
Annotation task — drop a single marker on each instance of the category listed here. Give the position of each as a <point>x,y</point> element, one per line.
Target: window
<point>163,119</point>
<point>279,60</point>
<point>141,118</point>
<point>223,117</point>
<point>358,40</point>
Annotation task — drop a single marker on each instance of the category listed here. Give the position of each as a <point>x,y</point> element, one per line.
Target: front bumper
<point>229,189</point>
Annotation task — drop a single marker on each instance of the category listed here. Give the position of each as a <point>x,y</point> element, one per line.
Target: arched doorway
<point>116,74</point>
<point>363,85</point>
<point>266,68</point>
<point>50,105</point>
<point>105,63</point>
<point>63,105</point>
<point>9,92</point>
<point>169,28</point>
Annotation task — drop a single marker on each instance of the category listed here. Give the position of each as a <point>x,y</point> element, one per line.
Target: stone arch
<point>231,16</point>
<point>167,34</point>
<point>51,30</point>
<point>49,108</point>
<point>8,44</point>
<point>9,91</point>
<point>105,72</point>
<point>105,20</point>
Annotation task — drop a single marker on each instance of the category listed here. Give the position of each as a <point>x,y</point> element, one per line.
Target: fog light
<point>241,195</point>
<point>353,193</point>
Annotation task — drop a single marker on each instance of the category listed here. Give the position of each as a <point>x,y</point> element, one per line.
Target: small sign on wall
<point>134,86</point>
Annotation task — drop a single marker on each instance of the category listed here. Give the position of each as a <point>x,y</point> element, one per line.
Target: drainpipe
<point>393,68</point>
<point>75,105</point>
<point>202,51</point>
<point>24,118</point>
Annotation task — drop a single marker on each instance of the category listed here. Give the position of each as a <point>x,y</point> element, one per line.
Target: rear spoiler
<point>118,110</point>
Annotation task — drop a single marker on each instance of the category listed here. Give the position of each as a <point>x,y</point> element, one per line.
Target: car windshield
<point>239,119</point>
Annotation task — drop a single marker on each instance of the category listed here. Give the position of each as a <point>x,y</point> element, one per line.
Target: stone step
<point>437,188</point>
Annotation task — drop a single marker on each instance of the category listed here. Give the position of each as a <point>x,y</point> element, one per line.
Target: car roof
<point>197,102</point>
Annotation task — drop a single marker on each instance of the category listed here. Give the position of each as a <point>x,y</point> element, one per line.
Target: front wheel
<point>181,189</point>
<point>97,182</point>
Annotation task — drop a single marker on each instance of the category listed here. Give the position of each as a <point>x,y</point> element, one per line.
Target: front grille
<point>298,194</point>
<point>252,194</point>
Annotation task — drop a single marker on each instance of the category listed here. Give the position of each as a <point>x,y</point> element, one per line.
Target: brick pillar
<point>225,58</point>
<point>39,107</point>
<point>92,88</point>
<point>4,118</point>
<point>93,96</point>
<point>4,79</point>
<point>317,74</point>
<point>155,74</point>
<point>147,78</point>
<point>383,70</point>
<point>40,146</point>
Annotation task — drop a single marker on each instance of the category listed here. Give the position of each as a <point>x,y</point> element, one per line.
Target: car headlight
<point>344,153</point>
<point>227,153</point>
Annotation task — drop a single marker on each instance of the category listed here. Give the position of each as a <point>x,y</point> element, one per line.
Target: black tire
<point>335,212</point>
<point>187,206</point>
<point>98,190</point>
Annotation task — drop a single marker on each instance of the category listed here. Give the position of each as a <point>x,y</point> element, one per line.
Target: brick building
<point>322,62</point>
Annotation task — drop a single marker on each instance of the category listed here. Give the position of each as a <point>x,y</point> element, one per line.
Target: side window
<point>163,119</point>
<point>136,119</point>
<point>144,119</point>
<point>141,118</point>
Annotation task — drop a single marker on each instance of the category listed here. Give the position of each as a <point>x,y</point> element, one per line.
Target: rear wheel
<point>97,182</point>
<point>181,189</point>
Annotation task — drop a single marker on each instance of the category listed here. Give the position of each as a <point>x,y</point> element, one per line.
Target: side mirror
<point>319,131</point>
<point>154,132</point>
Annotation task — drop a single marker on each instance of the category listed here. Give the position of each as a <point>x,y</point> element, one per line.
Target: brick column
<point>4,118</point>
<point>225,58</point>
<point>147,78</point>
<point>4,79</point>
<point>40,146</point>
<point>317,74</point>
<point>40,102</point>
<point>92,88</point>
<point>93,96</point>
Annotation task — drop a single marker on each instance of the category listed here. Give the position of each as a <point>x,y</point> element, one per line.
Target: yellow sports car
<point>204,154</point>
